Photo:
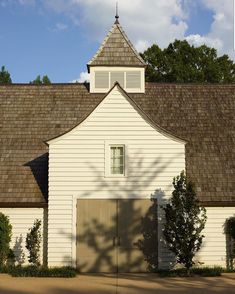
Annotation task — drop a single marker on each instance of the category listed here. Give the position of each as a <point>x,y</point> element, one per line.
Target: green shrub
<point>231,227</point>
<point>208,271</point>
<point>33,241</point>
<point>35,271</point>
<point>182,272</point>
<point>5,238</point>
<point>230,231</point>
<point>11,257</point>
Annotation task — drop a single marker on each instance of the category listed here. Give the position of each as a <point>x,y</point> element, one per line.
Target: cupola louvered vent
<point>102,79</point>
<point>133,80</point>
<point>117,76</point>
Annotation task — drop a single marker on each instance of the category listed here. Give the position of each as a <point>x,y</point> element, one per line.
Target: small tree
<point>46,80</point>
<point>33,241</point>
<point>185,220</point>
<point>41,81</point>
<point>5,77</point>
<point>5,238</point>
<point>230,230</point>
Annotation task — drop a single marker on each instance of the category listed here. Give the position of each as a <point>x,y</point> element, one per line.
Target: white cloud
<point>145,21</point>
<point>141,45</point>
<point>148,21</point>
<point>84,77</point>
<point>198,40</point>
<point>222,29</point>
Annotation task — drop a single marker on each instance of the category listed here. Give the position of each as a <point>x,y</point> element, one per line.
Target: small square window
<point>117,160</point>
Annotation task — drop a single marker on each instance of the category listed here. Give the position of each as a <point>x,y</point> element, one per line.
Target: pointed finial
<point>117,16</point>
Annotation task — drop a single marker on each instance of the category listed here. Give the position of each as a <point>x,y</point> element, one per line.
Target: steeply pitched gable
<point>203,115</point>
<point>116,50</point>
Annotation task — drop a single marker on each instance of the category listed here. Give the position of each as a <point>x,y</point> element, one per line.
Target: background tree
<point>5,238</point>
<point>5,77</point>
<point>33,241</point>
<point>185,220</point>
<point>38,81</point>
<point>181,62</point>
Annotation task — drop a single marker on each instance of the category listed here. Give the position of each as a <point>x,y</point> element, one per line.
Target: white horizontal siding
<point>60,228</point>
<point>77,167</point>
<point>213,251</point>
<point>22,220</point>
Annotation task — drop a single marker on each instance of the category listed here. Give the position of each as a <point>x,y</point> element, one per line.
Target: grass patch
<point>41,271</point>
<point>182,272</point>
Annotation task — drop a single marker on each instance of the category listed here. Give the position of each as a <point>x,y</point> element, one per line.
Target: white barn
<point>88,159</point>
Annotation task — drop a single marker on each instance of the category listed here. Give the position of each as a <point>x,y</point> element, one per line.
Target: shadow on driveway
<point>124,284</point>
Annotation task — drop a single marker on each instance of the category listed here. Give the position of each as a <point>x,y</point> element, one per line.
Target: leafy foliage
<point>230,230</point>
<point>5,77</point>
<point>181,62</point>
<point>230,225</point>
<point>35,271</point>
<point>5,238</point>
<point>41,271</point>
<point>41,81</point>
<point>33,241</point>
<point>200,271</point>
<point>185,220</point>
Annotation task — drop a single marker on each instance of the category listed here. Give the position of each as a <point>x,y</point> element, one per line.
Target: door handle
<point>114,241</point>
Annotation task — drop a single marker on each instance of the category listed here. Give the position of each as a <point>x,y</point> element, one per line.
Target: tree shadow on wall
<point>133,245</point>
<point>19,251</point>
<point>148,244</point>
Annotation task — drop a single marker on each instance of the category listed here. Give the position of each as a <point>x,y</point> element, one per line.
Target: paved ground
<point>125,284</point>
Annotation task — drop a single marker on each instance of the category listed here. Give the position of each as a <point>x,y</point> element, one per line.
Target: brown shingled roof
<point>116,50</point>
<point>202,115</point>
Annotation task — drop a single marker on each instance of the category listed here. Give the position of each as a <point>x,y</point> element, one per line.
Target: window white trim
<point>107,158</point>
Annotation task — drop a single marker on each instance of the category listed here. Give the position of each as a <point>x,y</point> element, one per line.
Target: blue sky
<point>58,37</point>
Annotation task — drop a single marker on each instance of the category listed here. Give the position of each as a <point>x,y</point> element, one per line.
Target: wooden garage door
<point>96,229</point>
<point>130,232</point>
<point>109,233</point>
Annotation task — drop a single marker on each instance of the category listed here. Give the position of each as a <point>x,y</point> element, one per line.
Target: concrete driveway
<point>125,284</point>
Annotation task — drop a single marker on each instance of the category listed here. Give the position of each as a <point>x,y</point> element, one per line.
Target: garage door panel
<point>134,221</point>
<point>96,227</point>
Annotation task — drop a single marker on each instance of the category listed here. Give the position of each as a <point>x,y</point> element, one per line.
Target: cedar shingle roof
<point>202,115</point>
<point>117,50</point>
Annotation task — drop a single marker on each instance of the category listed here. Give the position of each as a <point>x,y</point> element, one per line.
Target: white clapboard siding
<point>77,169</point>
<point>213,251</point>
<point>22,220</point>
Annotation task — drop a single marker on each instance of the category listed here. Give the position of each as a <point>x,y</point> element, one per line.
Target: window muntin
<point>117,160</point>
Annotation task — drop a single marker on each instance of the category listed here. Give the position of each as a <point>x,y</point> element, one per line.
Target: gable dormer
<point>117,61</point>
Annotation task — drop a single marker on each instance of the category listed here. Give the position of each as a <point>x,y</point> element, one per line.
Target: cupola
<point>117,61</point>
